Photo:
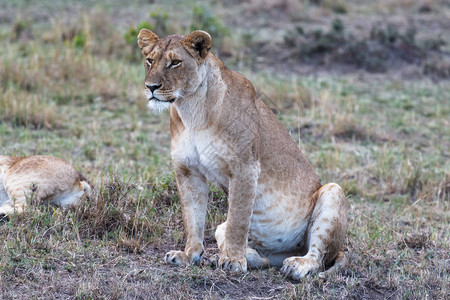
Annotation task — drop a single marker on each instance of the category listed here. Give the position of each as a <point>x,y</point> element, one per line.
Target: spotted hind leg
<point>326,234</point>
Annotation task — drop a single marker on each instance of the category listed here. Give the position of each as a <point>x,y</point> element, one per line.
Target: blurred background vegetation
<point>362,87</point>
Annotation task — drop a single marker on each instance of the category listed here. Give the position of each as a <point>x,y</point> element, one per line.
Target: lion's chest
<point>203,152</point>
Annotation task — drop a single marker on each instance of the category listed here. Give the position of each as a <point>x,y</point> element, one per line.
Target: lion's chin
<point>158,106</point>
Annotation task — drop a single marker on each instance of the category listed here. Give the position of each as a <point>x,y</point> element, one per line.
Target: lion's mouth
<point>156,99</point>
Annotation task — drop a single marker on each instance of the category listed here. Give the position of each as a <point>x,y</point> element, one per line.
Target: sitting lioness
<point>43,179</point>
<point>278,214</point>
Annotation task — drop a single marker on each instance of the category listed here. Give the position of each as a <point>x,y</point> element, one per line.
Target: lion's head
<point>173,65</point>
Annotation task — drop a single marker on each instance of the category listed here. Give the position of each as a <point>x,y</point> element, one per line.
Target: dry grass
<point>71,87</point>
<point>23,109</point>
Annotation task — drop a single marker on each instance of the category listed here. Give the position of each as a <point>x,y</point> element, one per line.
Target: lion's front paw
<point>177,258</point>
<point>235,264</point>
<point>299,267</point>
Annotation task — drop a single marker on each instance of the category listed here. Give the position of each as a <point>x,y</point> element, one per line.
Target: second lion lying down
<point>44,179</point>
<point>279,214</point>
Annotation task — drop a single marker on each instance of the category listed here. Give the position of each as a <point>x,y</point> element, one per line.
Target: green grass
<point>73,88</point>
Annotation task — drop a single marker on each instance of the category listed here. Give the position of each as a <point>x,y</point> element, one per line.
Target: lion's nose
<point>153,87</point>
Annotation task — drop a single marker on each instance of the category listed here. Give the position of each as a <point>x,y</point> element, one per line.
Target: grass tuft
<point>28,110</point>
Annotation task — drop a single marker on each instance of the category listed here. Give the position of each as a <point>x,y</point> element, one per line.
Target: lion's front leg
<point>241,199</point>
<point>193,191</point>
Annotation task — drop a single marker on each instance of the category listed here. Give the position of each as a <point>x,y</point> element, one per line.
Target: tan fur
<point>222,133</point>
<point>40,179</point>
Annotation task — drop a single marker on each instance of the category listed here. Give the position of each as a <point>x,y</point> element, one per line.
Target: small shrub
<point>131,35</point>
<point>159,24</point>
<point>160,21</point>
<point>94,33</point>
<point>435,43</point>
<point>77,35</point>
<point>79,40</point>
<point>367,55</point>
<point>316,41</point>
<point>338,6</point>
<point>203,19</point>
<point>437,67</point>
<point>20,29</point>
<point>386,36</point>
<point>131,40</point>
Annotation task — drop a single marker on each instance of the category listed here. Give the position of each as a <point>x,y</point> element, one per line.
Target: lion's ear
<point>147,38</point>
<point>198,43</point>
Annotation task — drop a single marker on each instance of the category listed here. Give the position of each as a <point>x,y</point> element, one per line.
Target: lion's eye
<point>175,63</point>
<point>149,61</point>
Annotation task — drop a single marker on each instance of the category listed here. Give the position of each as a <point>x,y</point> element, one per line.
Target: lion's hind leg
<point>72,196</point>
<point>326,234</point>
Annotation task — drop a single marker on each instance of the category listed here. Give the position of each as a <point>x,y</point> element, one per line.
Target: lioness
<point>279,214</point>
<point>46,179</point>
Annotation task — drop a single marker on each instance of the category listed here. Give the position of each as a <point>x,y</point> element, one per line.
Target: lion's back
<point>49,175</point>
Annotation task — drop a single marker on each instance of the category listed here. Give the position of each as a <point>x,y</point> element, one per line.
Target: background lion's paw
<point>177,258</point>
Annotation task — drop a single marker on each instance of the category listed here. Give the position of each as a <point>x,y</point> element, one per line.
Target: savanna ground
<point>362,86</point>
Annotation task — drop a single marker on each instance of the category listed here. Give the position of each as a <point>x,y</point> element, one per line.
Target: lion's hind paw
<point>299,267</point>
